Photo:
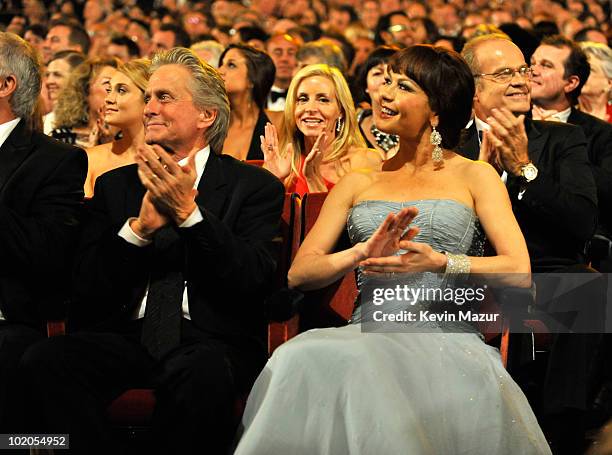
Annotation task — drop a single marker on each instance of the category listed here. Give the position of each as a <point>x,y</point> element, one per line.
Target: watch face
<point>530,172</point>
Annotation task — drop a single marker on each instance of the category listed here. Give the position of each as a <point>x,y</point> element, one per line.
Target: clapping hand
<point>391,236</point>
<point>278,165</point>
<point>170,185</point>
<point>508,139</point>
<point>313,160</point>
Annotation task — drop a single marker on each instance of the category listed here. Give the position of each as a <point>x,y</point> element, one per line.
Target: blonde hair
<point>138,72</point>
<point>349,136</point>
<point>72,109</point>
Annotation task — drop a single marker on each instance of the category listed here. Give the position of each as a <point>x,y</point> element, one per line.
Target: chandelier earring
<point>436,139</point>
<point>339,125</point>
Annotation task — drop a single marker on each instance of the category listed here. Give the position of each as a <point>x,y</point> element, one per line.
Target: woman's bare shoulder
<point>365,158</point>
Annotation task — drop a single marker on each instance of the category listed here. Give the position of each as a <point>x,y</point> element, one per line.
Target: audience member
<point>167,37</point>
<point>322,51</point>
<point>65,36</point>
<point>123,48</point>
<point>58,71</point>
<point>248,74</point>
<point>554,199</point>
<point>419,380</point>
<point>596,95</point>
<point>209,51</point>
<point>123,110</point>
<point>560,70</point>
<point>370,79</point>
<point>42,188</point>
<point>320,140</point>
<point>79,111</point>
<point>283,49</point>
<point>192,229</point>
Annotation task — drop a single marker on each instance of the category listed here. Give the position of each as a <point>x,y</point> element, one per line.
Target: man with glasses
<point>397,28</point>
<point>554,199</point>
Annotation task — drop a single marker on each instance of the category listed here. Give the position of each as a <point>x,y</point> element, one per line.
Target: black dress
<point>255,147</point>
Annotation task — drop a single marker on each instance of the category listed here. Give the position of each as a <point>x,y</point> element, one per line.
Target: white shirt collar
<point>6,129</point>
<point>201,159</point>
<point>562,116</point>
<point>481,126</point>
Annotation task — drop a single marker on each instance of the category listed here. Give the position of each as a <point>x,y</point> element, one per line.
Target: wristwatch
<point>529,172</point>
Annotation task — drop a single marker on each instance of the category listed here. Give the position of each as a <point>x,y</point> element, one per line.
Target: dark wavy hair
<point>446,80</point>
<point>260,71</point>
<point>382,54</point>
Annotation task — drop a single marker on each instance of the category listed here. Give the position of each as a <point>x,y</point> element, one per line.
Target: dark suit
<point>41,191</point>
<point>228,262</point>
<point>558,210</point>
<point>599,150</point>
<point>557,215</point>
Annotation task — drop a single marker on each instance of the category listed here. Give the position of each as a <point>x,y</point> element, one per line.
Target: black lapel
<point>14,151</point>
<point>470,147</point>
<point>212,189</point>
<point>537,140</point>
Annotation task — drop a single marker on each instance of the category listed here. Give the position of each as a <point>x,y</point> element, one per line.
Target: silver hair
<point>207,89</point>
<point>601,52</point>
<point>19,59</point>
<point>215,48</point>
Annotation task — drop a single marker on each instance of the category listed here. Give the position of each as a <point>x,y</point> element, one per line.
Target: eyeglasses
<point>401,27</point>
<point>507,74</point>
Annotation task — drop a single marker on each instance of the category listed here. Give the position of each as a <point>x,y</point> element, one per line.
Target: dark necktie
<point>274,95</point>
<point>161,330</point>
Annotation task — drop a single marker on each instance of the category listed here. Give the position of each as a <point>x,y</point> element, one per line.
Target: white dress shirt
<point>5,131</point>
<point>195,217</point>
<point>482,126</point>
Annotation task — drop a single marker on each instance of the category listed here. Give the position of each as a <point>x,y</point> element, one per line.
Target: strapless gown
<point>347,391</point>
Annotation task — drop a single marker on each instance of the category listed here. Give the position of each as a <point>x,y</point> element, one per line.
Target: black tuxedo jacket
<point>599,149</point>
<point>41,193</point>
<point>558,210</point>
<point>228,259</point>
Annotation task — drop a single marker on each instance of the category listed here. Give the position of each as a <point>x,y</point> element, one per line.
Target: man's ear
<point>8,86</point>
<point>571,84</point>
<point>206,118</point>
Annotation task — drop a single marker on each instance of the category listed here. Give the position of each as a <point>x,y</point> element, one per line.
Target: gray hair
<point>602,53</point>
<point>207,90</point>
<point>215,48</point>
<point>19,59</point>
<point>325,52</point>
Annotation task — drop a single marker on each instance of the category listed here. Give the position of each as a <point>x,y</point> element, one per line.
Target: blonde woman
<point>596,95</point>
<point>124,106</point>
<point>80,105</point>
<point>320,140</point>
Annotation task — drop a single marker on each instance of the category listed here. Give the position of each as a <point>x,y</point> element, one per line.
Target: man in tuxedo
<point>549,178</point>
<point>560,70</point>
<point>41,190</point>
<point>283,49</point>
<point>172,269</point>
<point>554,199</point>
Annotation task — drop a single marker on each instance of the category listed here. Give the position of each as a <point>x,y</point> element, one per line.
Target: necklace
<point>385,141</point>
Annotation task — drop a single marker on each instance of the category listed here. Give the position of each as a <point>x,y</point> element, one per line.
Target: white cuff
<point>130,236</point>
<point>194,218</point>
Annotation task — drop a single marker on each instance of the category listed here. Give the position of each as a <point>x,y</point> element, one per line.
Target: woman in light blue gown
<point>412,388</point>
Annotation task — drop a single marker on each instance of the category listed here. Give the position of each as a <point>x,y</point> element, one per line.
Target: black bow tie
<point>274,95</point>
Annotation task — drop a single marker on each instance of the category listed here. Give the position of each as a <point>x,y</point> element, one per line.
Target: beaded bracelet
<point>457,263</point>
